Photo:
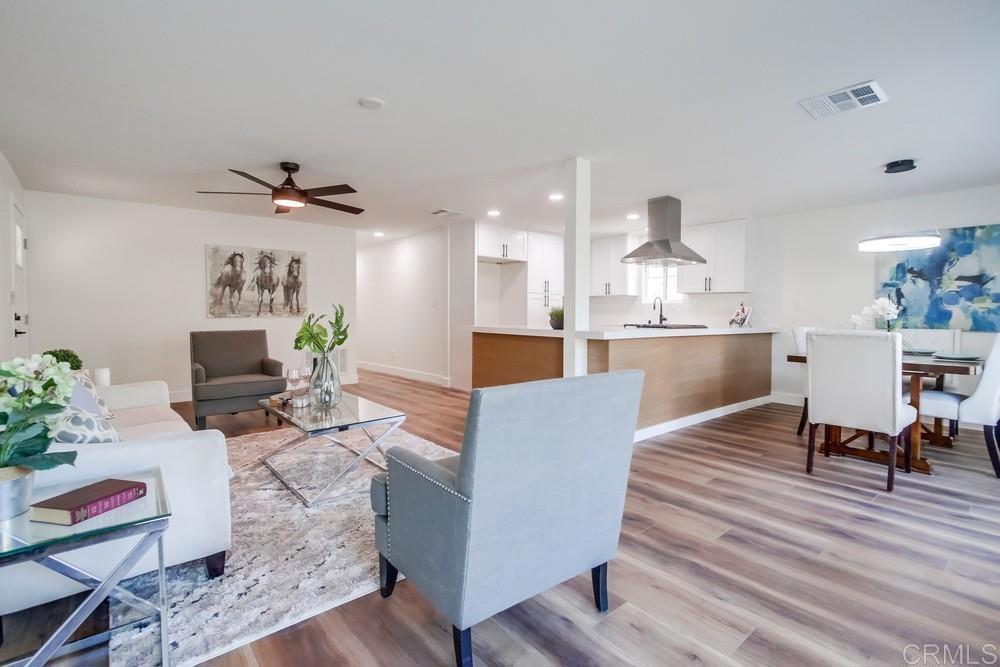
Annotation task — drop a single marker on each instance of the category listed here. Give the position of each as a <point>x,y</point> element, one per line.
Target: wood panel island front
<point>688,371</point>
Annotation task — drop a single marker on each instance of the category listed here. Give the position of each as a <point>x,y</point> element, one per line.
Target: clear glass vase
<point>324,387</point>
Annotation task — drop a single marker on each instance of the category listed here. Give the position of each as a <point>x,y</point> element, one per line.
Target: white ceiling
<point>150,101</point>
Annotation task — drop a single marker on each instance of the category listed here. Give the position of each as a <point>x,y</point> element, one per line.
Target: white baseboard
<point>408,373</point>
<point>786,398</point>
<point>691,420</point>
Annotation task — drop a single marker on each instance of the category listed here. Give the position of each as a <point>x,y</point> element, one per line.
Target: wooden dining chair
<point>856,381</point>
<point>799,336</point>
<point>982,407</point>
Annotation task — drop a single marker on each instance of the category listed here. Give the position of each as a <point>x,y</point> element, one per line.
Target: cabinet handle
<point>704,284</point>
<point>710,283</point>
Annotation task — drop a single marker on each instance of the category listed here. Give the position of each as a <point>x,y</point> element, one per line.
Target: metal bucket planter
<point>15,491</point>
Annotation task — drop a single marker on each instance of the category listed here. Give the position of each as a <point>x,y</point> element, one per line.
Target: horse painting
<point>293,284</point>
<point>232,277</point>
<point>265,279</point>
<point>265,272</point>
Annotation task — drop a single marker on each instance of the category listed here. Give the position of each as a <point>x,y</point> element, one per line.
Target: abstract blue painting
<point>953,286</point>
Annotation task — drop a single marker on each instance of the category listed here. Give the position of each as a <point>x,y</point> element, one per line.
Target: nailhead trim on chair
<point>388,513</point>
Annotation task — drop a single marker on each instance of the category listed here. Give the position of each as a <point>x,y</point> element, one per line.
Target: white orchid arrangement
<point>882,309</point>
<point>33,392</point>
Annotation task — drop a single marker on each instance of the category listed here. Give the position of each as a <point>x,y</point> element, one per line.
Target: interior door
<point>19,283</point>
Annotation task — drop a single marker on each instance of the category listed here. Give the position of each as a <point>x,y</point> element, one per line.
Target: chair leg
<point>199,423</point>
<point>827,439</point>
<point>215,565</point>
<point>811,455</point>
<point>387,574</point>
<point>804,417</point>
<point>871,440</point>
<point>907,448</point>
<point>953,428</point>
<point>599,579</point>
<point>893,440</point>
<point>463,646</point>
<point>992,448</point>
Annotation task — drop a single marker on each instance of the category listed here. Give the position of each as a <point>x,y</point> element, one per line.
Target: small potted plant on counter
<point>32,392</point>
<point>556,318</point>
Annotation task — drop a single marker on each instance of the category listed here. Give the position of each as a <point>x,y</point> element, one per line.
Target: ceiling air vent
<point>853,97</point>
<point>444,212</point>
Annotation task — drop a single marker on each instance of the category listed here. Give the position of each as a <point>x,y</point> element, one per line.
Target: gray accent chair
<point>230,372</point>
<point>535,498</point>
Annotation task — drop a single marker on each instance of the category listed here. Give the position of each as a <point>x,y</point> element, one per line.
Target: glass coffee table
<point>313,474</point>
<point>22,540</point>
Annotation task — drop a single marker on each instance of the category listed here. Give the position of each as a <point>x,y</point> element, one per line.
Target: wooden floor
<point>730,554</point>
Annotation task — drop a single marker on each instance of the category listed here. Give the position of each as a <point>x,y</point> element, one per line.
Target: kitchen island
<point>691,374</point>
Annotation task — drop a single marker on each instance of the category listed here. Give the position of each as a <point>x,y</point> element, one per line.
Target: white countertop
<point>620,333</point>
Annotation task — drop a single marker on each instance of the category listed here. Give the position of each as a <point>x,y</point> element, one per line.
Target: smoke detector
<point>858,96</point>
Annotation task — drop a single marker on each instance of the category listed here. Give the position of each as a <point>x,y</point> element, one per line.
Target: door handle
<point>18,332</point>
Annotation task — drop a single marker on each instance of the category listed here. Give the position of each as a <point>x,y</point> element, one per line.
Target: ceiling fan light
<point>288,197</point>
<point>288,203</point>
<point>920,241</point>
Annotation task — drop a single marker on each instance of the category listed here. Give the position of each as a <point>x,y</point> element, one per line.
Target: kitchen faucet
<point>662,318</point>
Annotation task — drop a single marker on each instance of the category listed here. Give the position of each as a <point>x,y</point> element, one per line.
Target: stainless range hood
<point>664,246</point>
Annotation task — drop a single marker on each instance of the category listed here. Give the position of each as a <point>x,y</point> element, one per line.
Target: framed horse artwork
<point>255,282</point>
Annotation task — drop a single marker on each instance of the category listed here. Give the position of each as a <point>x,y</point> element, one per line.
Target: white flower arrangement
<point>882,309</point>
<point>33,392</point>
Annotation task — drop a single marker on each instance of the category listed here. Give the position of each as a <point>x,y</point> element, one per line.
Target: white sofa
<point>195,472</point>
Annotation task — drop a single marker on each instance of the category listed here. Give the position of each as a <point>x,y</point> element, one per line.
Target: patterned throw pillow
<point>84,380</point>
<point>78,426</point>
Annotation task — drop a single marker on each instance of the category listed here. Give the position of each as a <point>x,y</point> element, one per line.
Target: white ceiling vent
<point>853,97</point>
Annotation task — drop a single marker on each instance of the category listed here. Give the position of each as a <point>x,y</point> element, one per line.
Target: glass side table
<point>22,540</point>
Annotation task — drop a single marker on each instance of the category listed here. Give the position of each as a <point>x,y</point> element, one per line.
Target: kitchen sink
<point>650,325</point>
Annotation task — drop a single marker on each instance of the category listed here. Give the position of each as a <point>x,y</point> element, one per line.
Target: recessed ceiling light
<point>632,216</point>
<point>378,235</point>
<point>493,213</point>
<point>556,196</point>
<point>371,103</point>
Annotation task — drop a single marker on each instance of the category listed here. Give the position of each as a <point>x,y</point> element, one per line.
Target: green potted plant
<point>69,356</point>
<point>32,392</point>
<point>322,339</point>
<point>556,317</point>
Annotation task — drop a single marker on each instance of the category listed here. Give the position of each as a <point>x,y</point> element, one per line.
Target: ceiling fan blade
<point>253,178</point>
<point>213,192</point>
<point>342,189</point>
<point>334,205</point>
<point>281,209</point>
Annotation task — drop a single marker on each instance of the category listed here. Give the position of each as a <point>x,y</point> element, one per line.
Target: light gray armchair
<point>535,498</point>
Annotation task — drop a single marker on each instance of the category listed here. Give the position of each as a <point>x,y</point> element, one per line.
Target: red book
<point>87,502</point>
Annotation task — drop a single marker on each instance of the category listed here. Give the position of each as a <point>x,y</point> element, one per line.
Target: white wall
<point>123,283</point>
<point>403,306</point>
<point>11,193</point>
<point>822,279</point>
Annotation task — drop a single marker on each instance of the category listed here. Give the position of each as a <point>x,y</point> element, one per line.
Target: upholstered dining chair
<point>856,380</point>
<point>947,341</point>
<point>799,335</point>
<point>982,407</point>
<point>231,371</point>
<point>535,498</point>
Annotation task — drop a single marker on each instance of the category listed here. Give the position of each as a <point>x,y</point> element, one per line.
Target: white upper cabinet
<point>724,246</point>
<point>608,275</point>
<point>545,263</point>
<point>501,243</point>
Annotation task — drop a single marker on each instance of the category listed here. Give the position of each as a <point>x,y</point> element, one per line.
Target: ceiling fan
<point>288,195</point>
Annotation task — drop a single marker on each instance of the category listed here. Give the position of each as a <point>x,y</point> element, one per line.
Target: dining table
<point>916,368</point>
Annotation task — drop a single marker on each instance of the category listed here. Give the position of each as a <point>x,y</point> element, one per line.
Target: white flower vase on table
<point>33,392</point>
<point>882,314</point>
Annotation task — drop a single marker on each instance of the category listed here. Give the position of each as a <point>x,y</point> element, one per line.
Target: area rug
<point>287,562</point>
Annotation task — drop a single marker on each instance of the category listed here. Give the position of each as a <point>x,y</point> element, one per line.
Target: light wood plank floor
<point>730,554</point>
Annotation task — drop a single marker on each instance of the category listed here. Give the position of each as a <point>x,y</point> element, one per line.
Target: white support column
<point>576,253</point>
